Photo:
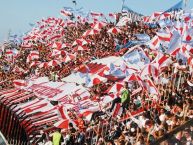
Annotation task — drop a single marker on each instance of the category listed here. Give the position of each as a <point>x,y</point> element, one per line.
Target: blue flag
<point>143,37</point>
<point>125,8</point>
<point>178,6</point>
<point>68,9</point>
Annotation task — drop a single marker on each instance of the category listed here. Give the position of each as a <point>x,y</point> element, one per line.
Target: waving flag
<point>146,19</point>
<point>188,36</point>
<point>114,30</point>
<point>90,32</point>
<point>98,25</point>
<point>149,70</point>
<point>164,36</point>
<point>62,124</point>
<point>53,63</point>
<point>143,37</point>
<point>125,8</point>
<point>57,45</point>
<point>178,6</point>
<point>154,43</point>
<point>115,88</point>
<point>20,83</point>
<point>32,56</point>
<point>114,16</point>
<point>80,42</point>
<point>123,21</point>
<point>132,15</point>
<point>96,14</point>
<point>35,63</point>
<point>95,79</point>
<point>68,9</point>
<point>132,57</point>
<point>149,86</point>
<point>18,69</point>
<point>9,52</point>
<point>65,13</point>
<point>175,44</point>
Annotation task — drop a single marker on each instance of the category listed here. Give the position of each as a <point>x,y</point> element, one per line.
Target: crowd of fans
<point>156,120</point>
<point>102,45</point>
<point>172,111</point>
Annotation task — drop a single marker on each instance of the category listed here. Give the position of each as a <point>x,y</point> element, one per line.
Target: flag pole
<point>185,3</point>
<point>123,2</point>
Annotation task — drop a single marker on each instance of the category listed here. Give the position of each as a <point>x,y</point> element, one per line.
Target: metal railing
<point>3,141</point>
<point>11,127</point>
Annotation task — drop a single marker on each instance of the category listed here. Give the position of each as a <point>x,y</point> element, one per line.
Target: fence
<point>168,136</point>
<point>10,125</point>
<point>3,140</point>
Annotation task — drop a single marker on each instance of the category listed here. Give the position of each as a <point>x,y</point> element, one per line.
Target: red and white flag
<point>32,56</point>
<point>96,14</point>
<point>112,15</point>
<point>53,63</point>
<point>175,44</point>
<point>149,86</point>
<point>57,45</point>
<point>69,57</point>
<point>163,36</point>
<point>149,70</point>
<point>65,119</point>
<point>98,25</point>
<point>146,19</point>
<point>63,124</point>
<point>80,42</point>
<point>34,63</point>
<point>56,52</point>
<point>154,43</point>
<point>43,65</point>
<point>54,37</point>
<point>18,69</point>
<point>90,32</point>
<point>114,30</point>
<point>65,13</point>
<point>9,52</point>
<point>188,36</point>
<point>77,48</point>
<point>115,88</point>
<point>20,83</point>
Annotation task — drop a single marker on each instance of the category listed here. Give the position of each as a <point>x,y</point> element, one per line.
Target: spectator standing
<point>124,99</point>
<point>57,137</point>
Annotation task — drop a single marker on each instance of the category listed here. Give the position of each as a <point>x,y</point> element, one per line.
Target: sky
<point>16,15</point>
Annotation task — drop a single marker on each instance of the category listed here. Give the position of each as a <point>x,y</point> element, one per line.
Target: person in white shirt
<point>140,122</point>
<point>162,116</point>
<point>164,79</point>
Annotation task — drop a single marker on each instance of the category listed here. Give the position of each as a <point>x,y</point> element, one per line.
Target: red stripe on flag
<point>164,38</point>
<point>118,106</point>
<point>155,42</point>
<point>175,51</point>
<point>162,60</point>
